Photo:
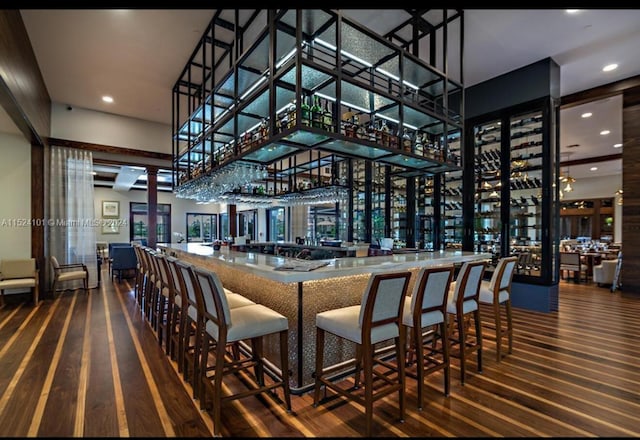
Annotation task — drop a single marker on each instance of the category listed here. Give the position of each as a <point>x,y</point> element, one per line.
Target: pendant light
<point>568,179</point>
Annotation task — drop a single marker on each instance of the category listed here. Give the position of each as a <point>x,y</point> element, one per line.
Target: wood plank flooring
<point>90,365</point>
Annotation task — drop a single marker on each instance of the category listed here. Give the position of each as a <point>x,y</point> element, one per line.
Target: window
<point>138,222</point>
<point>321,222</point>
<point>201,227</point>
<point>247,224</point>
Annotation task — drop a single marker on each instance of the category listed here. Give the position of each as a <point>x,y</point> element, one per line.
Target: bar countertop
<point>265,265</point>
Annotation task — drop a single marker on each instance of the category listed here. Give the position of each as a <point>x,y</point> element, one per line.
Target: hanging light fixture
<point>568,179</point>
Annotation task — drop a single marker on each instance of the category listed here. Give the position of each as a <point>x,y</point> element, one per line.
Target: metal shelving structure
<point>266,90</point>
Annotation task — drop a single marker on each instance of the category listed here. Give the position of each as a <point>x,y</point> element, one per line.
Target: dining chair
<point>224,326</point>
<point>377,319</point>
<point>463,307</point>
<point>425,316</point>
<point>571,262</point>
<point>497,293</point>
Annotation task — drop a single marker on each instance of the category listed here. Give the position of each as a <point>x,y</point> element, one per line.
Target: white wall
<point>599,188</point>
<point>83,125</point>
<point>179,208</point>
<point>15,209</point>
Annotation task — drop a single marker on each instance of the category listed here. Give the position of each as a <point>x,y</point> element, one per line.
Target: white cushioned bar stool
<point>377,319</point>
<point>425,315</point>
<point>463,306</point>
<point>224,326</point>
<point>497,293</point>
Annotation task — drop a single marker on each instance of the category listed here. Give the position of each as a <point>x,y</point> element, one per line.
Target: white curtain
<point>72,222</point>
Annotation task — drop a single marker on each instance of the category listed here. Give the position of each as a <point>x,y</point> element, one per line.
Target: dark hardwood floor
<point>90,365</point>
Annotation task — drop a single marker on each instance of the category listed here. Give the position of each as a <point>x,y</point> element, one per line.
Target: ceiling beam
<point>588,160</point>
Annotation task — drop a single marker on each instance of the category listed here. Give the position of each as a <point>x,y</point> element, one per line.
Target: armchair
<point>123,259</point>
<point>19,273</point>
<point>69,272</point>
<point>604,272</point>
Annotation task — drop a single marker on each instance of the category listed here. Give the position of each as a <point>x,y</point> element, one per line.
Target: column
<point>233,219</point>
<point>152,206</point>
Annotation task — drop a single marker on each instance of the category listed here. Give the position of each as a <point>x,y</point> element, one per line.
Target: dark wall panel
<point>631,186</point>
<point>526,84</point>
<point>23,93</point>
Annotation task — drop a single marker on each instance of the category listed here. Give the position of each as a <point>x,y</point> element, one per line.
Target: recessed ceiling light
<point>605,132</point>
<point>594,168</point>
<point>107,98</point>
<point>617,145</point>
<point>587,115</point>
<point>572,11</point>
<point>610,67</point>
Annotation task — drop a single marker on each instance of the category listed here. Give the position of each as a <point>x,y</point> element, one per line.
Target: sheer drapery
<point>72,222</point>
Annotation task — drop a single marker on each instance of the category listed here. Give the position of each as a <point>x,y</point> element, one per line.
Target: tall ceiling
<point>136,55</point>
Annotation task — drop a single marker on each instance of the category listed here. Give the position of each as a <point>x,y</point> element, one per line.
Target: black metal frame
<point>202,81</point>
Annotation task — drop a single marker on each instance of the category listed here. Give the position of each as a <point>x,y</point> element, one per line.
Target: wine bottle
<point>406,141</point>
<point>306,110</point>
<point>264,129</point>
<point>371,131</point>
<point>385,134</point>
<point>394,139</point>
<point>316,113</point>
<point>327,117</point>
<point>418,147</point>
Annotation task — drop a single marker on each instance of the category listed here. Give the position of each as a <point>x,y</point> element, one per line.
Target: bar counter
<point>300,295</point>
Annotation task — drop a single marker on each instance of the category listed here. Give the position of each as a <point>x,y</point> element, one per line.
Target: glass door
<point>488,188</point>
<point>202,228</point>
<point>247,224</point>
<point>525,182</point>
<point>139,222</point>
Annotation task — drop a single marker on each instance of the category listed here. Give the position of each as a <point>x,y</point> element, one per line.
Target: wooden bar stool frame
<point>464,307</point>
<point>220,333</point>
<point>425,316</point>
<point>371,320</point>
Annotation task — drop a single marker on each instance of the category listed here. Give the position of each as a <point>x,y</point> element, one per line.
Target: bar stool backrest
<point>383,299</point>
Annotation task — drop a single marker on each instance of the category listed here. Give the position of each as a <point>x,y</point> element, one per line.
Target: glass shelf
<point>488,188</point>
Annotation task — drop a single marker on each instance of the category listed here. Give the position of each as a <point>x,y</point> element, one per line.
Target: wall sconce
<point>619,193</point>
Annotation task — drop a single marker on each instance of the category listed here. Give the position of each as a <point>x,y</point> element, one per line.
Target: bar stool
<point>497,292</point>
<point>223,326</point>
<point>155,292</point>
<point>164,301</point>
<point>377,319</point>
<point>139,280</point>
<point>190,326</point>
<point>463,305</point>
<point>150,284</point>
<point>175,332</point>
<point>191,329</point>
<point>425,315</point>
